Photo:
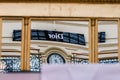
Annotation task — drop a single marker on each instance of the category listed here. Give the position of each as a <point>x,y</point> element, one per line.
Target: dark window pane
<point>34,34</point>
<point>65,34</point>
<point>16,35</point>
<point>66,39</point>
<point>101,37</point>
<point>81,39</point>
<point>73,41</point>
<point>42,35</point>
<point>74,36</point>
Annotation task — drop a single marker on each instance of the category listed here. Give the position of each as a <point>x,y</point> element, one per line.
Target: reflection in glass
<point>34,63</point>
<point>73,38</point>
<point>11,44</point>
<point>108,61</point>
<point>12,64</point>
<point>76,60</point>
<point>108,42</point>
<point>65,36</point>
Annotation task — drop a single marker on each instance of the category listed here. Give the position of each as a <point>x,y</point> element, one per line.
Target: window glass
<point>67,36</point>
<point>11,45</point>
<point>108,42</point>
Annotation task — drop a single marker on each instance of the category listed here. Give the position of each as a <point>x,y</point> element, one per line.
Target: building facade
<point>75,32</point>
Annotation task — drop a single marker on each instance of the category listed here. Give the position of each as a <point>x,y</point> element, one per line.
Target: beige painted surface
<point>63,10</point>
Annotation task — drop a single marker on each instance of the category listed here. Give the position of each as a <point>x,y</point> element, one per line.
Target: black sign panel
<point>67,37</point>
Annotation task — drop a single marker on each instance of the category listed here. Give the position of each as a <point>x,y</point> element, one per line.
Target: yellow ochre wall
<point>60,9</point>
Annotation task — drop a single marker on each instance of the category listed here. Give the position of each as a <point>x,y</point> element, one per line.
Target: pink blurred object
<point>20,76</point>
<point>81,72</point>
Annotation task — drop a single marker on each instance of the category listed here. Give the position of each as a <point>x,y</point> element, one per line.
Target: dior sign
<point>67,37</point>
<point>55,36</point>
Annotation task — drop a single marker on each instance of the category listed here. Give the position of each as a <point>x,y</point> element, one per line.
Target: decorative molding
<point>60,10</point>
<point>62,1</point>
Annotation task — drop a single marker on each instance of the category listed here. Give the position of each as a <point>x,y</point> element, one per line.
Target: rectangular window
<point>16,35</point>
<point>34,35</point>
<point>101,37</point>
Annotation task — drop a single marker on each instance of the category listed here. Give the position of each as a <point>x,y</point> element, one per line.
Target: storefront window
<point>108,47</point>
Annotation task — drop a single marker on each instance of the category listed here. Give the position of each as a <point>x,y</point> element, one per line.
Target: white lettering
<point>49,35</point>
<point>53,36</point>
<point>60,36</point>
<point>56,36</point>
